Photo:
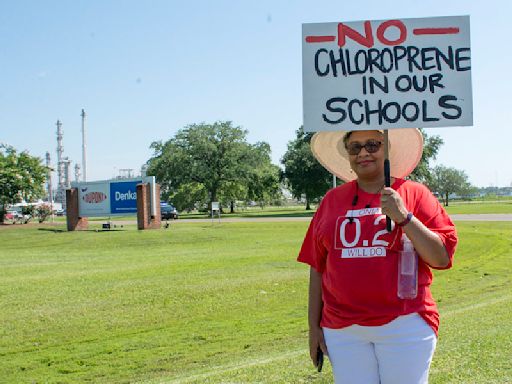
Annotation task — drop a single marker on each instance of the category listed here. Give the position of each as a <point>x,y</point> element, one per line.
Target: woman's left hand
<point>392,205</point>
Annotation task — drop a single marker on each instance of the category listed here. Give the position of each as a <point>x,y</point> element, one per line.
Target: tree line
<point>214,162</point>
<point>203,163</point>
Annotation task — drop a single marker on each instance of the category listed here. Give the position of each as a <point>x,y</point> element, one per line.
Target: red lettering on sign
<point>344,32</point>
<point>392,23</point>
<point>436,31</point>
<point>320,39</point>
<point>366,40</point>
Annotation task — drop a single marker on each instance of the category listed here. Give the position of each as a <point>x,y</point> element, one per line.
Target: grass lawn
<point>202,303</point>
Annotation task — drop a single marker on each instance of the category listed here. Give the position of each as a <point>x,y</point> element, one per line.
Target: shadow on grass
<point>52,230</point>
<point>55,230</point>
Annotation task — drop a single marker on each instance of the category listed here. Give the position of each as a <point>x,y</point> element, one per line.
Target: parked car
<point>11,215</point>
<point>17,217</point>
<point>168,212</point>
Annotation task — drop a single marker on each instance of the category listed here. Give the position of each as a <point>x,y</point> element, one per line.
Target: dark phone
<point>319,360</point>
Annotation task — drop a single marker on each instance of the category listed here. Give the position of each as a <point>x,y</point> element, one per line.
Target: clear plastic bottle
<point>407,270</point>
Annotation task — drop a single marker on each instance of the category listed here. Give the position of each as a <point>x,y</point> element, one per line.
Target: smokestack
<point>61,187</point>
<point>84,148</point>
<point>67,173</point>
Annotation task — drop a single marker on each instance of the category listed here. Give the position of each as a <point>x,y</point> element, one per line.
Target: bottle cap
<point>406,243</point>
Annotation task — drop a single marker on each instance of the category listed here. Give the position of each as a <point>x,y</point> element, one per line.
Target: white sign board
<point>94,199</point>
<point>215,206</point>
<point>387,74</point>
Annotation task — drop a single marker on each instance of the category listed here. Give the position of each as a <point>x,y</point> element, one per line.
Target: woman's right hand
<point>316,340</point>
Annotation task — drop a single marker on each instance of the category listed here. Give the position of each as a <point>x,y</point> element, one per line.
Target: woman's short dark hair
<point>346,137</point>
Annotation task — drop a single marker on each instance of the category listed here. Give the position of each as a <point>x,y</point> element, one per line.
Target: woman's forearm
<point>316,334</point>
<point>315,298</point>
<point>428,245</point>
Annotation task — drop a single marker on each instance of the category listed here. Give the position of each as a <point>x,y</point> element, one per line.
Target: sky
<point>144,70</point>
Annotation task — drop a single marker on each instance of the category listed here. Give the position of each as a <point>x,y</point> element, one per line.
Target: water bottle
<point>407,270</point>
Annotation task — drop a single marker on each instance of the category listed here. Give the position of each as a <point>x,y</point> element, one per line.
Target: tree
<point>431,144</point>
<point>215,157</point>
<point>303,173</point>
<point>189,196</point>
<point>263,182</point>
<point>22,177</point>
<point>447,180</point>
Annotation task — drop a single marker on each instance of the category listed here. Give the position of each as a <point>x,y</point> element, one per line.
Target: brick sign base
<point>144,218</point>
<point>74,221</point>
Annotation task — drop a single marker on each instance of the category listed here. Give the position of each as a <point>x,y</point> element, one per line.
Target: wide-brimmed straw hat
<point>405,149</point>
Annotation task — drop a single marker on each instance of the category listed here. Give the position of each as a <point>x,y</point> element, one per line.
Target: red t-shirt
<point>358,258</point>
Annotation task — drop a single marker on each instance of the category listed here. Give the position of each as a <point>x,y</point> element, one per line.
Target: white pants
<point>399,352</point>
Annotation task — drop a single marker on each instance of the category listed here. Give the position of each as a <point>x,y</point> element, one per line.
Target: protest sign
<point>387,74</point>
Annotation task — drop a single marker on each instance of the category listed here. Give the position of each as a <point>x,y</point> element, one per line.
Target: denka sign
<point>387,74</point>
<point>123,197</point>
<point>110,197</point>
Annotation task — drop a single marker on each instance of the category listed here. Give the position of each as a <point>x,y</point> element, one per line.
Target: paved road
<point>483,217</point>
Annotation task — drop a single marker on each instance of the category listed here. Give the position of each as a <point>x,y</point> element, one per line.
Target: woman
<point>355,314</point>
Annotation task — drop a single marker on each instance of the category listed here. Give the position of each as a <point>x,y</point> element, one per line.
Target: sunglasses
<point>371,146</point>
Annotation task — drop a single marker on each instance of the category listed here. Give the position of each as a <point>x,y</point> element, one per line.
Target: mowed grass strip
<point>479,207</point>
<point>202,303</point>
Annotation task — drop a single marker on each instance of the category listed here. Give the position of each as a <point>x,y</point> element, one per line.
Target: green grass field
<point>222,303</point>
<point>478,207</point>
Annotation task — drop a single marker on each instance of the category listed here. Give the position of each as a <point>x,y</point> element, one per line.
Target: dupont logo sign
<point>94,197</point>
<point>123,196</point>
